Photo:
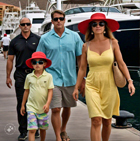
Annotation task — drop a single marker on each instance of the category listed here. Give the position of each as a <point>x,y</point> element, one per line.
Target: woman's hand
<point>131,88</point>
<point>22,111</point>
<point>75,94</point>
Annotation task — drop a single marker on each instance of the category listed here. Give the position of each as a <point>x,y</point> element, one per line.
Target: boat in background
<point>128,8</point>
<point>36,16</point>
<point>10,22</point>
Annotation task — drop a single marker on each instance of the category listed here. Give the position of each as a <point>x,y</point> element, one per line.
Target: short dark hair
<point>57,11</point>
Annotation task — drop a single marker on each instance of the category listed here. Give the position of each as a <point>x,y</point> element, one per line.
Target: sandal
<point>64,136</point>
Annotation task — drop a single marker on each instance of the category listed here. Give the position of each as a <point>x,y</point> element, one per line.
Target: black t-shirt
<point>23,48</point>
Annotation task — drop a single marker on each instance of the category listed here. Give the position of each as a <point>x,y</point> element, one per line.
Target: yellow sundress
<point>101,93</point>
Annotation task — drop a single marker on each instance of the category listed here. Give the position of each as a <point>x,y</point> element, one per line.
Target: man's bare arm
<point>9,68</point>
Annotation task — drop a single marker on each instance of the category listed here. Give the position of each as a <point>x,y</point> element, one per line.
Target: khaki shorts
<point>62,97</point>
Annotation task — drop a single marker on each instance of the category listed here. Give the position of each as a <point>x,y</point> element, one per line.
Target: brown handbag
<point>119,78</point>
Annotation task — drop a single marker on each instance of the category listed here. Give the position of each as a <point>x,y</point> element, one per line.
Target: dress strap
<point>112,47</point>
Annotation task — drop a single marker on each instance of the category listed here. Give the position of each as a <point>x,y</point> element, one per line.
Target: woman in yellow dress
<point>101,93</point>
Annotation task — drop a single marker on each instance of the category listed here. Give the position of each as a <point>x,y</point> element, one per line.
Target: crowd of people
<point>45,76</point>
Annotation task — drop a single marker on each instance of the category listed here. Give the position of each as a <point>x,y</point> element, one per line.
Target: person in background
<point>21,47</point>
<point>38,90</point>
<point>5,44</point>
<point>62,46</point>
<point>101,93</point>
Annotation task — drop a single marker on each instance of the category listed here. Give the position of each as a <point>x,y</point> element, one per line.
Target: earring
<point>92,32</point>
<point>104,32</point>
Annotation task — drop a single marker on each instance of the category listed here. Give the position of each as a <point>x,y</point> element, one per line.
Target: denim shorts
<point>37,121</point>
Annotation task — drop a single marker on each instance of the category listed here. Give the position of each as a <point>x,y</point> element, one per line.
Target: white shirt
<point>6,41</point>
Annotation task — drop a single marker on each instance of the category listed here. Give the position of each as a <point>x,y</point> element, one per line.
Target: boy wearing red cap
<point>38,90</point>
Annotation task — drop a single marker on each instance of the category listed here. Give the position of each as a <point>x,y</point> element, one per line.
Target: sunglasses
<point>94,24</point>
<point>23,24</point>
<point>40,62</point>
<point>60,18</point>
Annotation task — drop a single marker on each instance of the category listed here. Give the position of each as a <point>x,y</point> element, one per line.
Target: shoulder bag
<point>119,78</point>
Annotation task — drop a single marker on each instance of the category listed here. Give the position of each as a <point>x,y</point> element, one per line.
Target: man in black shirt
<point>21,47</point>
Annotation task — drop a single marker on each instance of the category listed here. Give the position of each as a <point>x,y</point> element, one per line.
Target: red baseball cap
<point>112,24</point>
<point>38,55</point>
<point>5,34</point>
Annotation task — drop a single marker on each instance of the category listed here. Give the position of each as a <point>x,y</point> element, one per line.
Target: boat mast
<point>59,5</point>
<point>28,5</point>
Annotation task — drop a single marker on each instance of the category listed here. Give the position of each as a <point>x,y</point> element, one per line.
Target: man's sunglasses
<point>23,24</point>
<point>60,18</point>
<point>40,62</point>
<point>94,24</point>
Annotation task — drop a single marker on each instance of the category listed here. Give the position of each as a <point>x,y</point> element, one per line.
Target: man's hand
<point>75,94</point>
<point>9,82</point>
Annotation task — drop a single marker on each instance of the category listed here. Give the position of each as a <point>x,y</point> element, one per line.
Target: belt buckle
<point>28,70</point>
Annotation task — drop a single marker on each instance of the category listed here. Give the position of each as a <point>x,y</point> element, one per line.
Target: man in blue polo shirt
<point>63,47</point>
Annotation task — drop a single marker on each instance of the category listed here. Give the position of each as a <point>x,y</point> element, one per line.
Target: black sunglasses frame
<point>40,62</point>
<point>94,24</point>
<point>23,24</point>
<point>60,18</point>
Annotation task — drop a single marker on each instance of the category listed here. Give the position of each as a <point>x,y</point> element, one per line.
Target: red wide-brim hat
<point>38,55</point>
<point>112,24</point>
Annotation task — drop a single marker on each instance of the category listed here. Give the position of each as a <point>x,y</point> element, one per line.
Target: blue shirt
<point>62,51</point>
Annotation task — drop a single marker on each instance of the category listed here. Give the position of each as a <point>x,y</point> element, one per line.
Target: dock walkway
<point>78,126</point>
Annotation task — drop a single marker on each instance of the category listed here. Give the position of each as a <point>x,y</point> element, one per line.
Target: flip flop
<point>64,136</point>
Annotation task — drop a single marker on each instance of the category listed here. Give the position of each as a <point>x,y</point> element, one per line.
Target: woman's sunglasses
<point>40,62</point>
<point>94,24</point>
<point>60,18</point>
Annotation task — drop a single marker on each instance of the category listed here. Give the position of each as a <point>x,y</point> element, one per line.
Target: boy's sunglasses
<point>23,24</point>
<point>94,24</point>
<point>40,62</point>
<point>60,18</point>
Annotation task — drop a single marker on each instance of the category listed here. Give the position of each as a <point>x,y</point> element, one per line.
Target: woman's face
<point>98,26</point>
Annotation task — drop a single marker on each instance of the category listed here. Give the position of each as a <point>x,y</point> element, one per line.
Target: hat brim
<point>29,64</point>
<point>112,24</point>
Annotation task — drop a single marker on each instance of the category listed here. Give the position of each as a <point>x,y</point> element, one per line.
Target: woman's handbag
<point>119,78</point>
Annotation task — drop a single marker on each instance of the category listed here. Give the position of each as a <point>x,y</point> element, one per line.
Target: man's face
<point>25,25</point>
<point>58,21</point>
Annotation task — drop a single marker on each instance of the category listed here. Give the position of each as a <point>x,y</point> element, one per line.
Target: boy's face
<point>38,64</point>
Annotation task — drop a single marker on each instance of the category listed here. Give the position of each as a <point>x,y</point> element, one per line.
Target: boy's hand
<point>46,108</point>
<point>22,111</point>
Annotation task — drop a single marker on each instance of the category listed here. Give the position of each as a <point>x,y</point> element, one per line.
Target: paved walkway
<point>78,127</point>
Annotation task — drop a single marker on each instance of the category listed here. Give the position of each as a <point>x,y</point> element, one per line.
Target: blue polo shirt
<point>62,51</point>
